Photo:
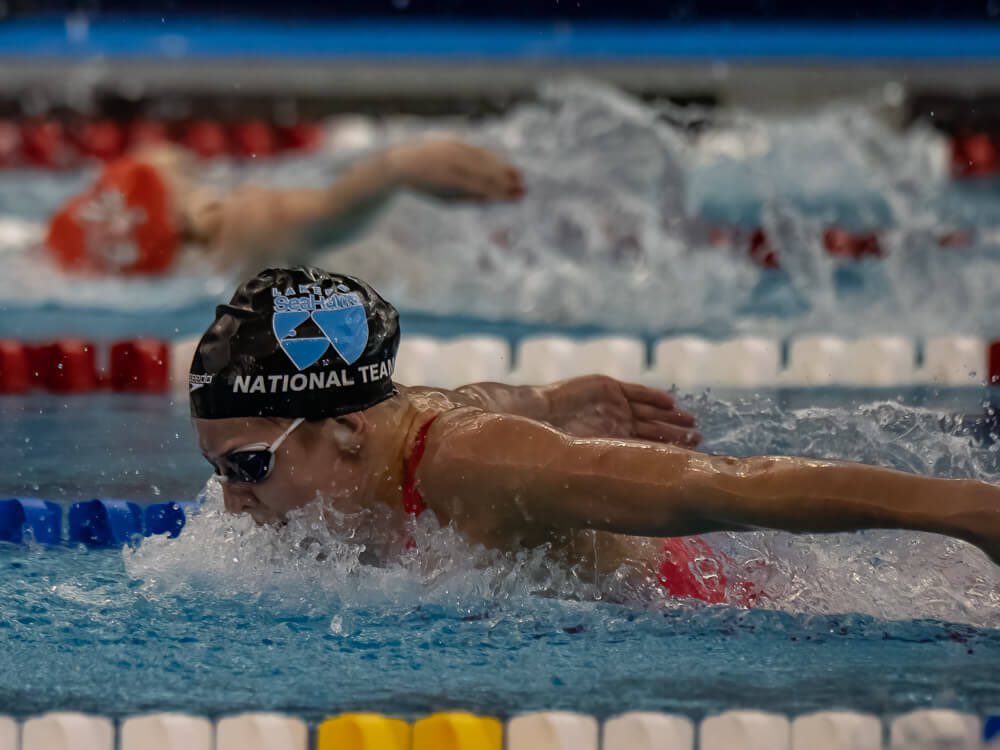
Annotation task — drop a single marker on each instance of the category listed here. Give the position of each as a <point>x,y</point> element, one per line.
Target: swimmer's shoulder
<point>433,401</point>
<point>437,411</point>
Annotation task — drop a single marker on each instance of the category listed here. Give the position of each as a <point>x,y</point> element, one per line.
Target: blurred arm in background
<point>257,224</point>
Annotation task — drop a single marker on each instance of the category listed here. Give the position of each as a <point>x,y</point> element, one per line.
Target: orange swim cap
<point>122,224</point>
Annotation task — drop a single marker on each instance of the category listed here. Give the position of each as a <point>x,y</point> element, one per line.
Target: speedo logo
<point>198,380</point>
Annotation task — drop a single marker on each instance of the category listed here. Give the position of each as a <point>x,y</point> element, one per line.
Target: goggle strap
<point>291,428</point>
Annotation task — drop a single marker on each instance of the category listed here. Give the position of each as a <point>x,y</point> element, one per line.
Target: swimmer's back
<point>596,553</point>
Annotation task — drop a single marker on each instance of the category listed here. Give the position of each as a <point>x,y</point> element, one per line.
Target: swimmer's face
<point>312,462</point>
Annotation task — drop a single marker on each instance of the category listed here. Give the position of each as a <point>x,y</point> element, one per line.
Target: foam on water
<point>884,574</point>
<point>322,560</point>
<point>604,224</point>
<point>343,561</point>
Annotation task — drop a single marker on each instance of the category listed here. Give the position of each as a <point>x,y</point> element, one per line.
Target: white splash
<point>620,199</point>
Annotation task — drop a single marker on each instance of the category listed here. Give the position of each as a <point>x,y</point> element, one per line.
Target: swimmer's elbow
<point>705,477</point>
<point>752,467</point>
<point>760,479</point>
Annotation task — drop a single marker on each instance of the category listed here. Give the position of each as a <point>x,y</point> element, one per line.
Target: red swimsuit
<point>690,568</point>
<point>413,501</point>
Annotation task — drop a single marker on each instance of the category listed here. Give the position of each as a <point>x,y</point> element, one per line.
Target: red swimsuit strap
<point>413,501</point>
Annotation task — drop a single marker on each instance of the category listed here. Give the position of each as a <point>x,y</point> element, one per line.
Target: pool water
<point>229,617</point>
<point>81,632</point>
<point>611,237</point>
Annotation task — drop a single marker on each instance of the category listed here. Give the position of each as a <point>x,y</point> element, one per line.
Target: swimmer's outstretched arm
<point>499,471</point>
<point>527,401</point>
<point>255,219</point>
<point>592,406</point>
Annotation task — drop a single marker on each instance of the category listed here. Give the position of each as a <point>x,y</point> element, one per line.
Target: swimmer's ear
<point>349,432</point>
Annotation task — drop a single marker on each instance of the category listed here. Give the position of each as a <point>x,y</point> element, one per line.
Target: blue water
<point>80,632</point>
<point>304,619</point>
<point>230,617</point>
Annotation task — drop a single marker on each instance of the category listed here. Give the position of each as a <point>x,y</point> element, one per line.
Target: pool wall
<point>784,65</point>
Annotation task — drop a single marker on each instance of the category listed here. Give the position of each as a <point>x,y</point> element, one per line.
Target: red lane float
<point>846,244</point>
<point>975,155</point>
<point>140,366</point>
<point>71,367</point>
<point>761,251</point>
<point>836,242</point>
<point>994,362</point>
<point>100,139</point>
<point>206,138</point>
<point>43,141</point>
<point>253,139</point>
<point>39,359</point>
<point>44,144</point>
<point>48,143</point>
<point>302,136</point>
<point>141,133</point>
<point>15,369</point>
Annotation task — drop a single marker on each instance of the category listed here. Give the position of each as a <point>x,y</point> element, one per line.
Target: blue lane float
<point>991,728</point>
<point>94,523</point>
<point>166,518</point>
<point>104,523</point>
<point>39,519</point>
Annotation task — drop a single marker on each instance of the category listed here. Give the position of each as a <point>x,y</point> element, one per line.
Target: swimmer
<point>293,399</point>
<point>144,209</point>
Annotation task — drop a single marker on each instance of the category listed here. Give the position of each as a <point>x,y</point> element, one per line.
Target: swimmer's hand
<point>602,407</point>
<point>449,165</point>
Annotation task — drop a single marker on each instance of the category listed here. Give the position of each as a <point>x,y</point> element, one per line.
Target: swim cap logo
<point>339,317</point>
<point>199,380</point>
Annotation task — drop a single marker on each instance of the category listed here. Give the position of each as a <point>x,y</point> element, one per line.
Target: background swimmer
<point>144,208</point>
<point>513,467</point>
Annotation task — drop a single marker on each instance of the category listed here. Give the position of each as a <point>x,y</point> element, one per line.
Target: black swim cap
<point>296,342</point>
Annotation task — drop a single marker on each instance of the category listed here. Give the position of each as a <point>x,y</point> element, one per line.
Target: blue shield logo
<point>345,328</point>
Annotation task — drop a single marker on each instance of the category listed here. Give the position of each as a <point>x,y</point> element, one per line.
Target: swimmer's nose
<point>236,500</point>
